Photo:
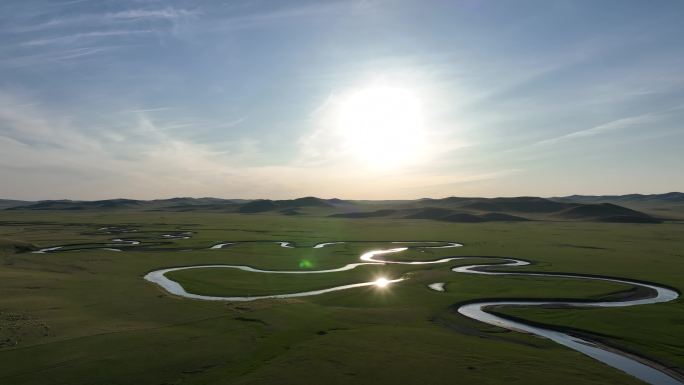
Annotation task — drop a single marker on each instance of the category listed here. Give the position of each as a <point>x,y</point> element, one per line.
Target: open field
<point>87,316</point>
<point>357,192</point>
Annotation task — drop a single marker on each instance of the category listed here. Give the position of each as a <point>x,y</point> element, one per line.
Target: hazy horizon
<point>331,197</point>
<point>366,99</point>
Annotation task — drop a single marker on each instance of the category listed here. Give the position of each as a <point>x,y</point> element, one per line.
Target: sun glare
<point>382,126</point>
<point>382,282</point>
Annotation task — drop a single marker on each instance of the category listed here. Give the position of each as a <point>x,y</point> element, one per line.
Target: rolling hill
<point>671,197</point>
<point>606,212</point>
<point>9,203</point>
<point>668,206</point>
<point>450,209</point>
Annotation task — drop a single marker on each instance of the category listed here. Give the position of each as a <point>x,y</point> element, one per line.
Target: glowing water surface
<point>639,368</point>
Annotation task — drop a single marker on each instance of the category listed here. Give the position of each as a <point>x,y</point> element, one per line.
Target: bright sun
<point>382,126</point>
<point>381,282</point>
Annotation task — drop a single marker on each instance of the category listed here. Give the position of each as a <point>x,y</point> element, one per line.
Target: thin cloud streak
<point>168,13</point>
<point>85,36</point>
<point>143,110</point>
<point>50,57</point>
<point>97,20</point>
<point>262,19</point>
<point>615,125</point>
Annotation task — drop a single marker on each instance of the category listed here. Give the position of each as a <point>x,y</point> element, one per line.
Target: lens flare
<point>305,264</point>
<point>382,282</point>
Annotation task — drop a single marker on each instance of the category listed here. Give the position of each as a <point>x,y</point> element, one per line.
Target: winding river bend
<point>638,367</point>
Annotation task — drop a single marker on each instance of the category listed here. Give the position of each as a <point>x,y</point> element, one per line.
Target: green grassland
<point>87,316</point>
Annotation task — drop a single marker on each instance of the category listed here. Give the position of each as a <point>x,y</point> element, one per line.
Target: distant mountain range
<point>632,208</point>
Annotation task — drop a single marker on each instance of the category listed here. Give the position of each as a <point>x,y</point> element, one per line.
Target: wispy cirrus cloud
<point>53,56</point>
<point>98,19</point>
<point>85,37</point>
<point>147,158</point>
<point>641,120</point>
<point>269,17</point>
<point>35,38</point>
<point>42,146</point>
<point>168,13</point>
<point>507,98</point>
<point>22,121</point>
<point>144,110</point>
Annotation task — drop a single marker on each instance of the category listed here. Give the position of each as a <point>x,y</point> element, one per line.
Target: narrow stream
<point>640,368</point>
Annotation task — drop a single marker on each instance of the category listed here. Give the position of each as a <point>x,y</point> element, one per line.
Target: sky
<point>364,99</point>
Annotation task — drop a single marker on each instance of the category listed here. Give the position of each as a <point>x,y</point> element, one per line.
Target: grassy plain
<point>87,316</point>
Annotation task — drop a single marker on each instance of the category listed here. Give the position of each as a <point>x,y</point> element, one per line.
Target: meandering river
<point>638,367</point>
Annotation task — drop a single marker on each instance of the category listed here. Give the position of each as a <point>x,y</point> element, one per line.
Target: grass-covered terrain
<point>87,316</point>
<point>633,208</point>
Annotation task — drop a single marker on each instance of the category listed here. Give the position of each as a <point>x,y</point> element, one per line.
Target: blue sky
<point>149,99</point>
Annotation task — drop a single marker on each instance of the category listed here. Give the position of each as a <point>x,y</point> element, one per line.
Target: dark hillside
<point>606,212</point>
